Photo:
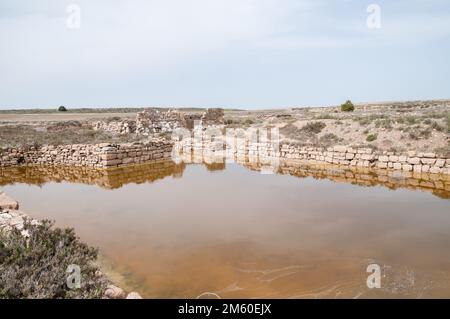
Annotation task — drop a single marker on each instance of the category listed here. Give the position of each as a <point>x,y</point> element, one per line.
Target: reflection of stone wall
<point>439,185</point>
<point>111,178</point>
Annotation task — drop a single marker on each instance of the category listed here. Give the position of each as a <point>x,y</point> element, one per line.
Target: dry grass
<point>63,133</point>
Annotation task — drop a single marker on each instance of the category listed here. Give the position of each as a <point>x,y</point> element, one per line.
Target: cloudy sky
<point>228,53</point>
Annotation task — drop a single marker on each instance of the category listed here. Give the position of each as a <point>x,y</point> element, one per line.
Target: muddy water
<point>181,230</point>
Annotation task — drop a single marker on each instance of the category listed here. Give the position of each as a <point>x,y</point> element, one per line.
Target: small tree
<point>62,109</point>
<point>347,106</point>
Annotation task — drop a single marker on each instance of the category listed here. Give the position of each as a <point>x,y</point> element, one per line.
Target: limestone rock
<point>134,295</point>
<point>7,202</point>
<point>113,292</point>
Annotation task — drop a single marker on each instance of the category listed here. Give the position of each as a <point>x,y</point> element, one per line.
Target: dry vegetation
<point>419,125</point>
<point>58,133</point>
<point>35,266</point>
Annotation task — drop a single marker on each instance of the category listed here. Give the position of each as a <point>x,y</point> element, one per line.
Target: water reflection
<point>438,185</point>
<point>179,230</point>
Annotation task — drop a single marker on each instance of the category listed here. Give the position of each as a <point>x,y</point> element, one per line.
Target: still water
<point>177,231</point>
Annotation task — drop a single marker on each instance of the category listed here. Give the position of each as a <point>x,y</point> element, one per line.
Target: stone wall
<point>213,116</point>
<point>96,156</point>
<point>365,157</point>
<point>115,127</point>
<point>153,121</point>
<point>234,146</point>
<point>109,155</point>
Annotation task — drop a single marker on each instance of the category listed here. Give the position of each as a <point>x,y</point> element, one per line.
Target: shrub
<point>371,137</point>
<point>384,123</point>
<point>329,139</point>
<point>347,106</point>
<point>290,130</point>
<point>35,267</point>
<point>313,127</point>
<point>62,109</point>
<point>448,123</point>
<point>435,125</point>
<point>411,120</point>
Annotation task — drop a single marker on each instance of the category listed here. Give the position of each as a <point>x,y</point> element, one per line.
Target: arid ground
<point>395,126</point>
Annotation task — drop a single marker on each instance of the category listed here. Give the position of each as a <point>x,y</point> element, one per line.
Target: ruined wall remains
<point>213,116</point>
<point>152,121</point>
<point>111,155</point>
<point>115,127</point>
<point>365,157</point>
<point>236,146</point>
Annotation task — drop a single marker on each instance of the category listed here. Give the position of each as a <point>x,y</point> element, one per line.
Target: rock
<point>340,149</point>
<point>414,160</point>
<point>440,162</point>
<point>428,161</point>
<point>134,295</point>
<point>393,158</point>
<point>113,292</point>
<point>435,170</point>
<point>7,202</point>
<point>407,167</point>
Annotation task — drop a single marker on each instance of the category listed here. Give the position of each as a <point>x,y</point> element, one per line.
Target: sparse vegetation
<point>62,109</point>
<point>371,137</point>
<point>62,133</point>
<point>35,267</point>
<point>329,139</point>
<point>347,106</point>
<point>313,127</point>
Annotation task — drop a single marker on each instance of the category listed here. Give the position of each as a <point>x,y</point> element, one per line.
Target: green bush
<point>35,267</point>
<point>62,109</point>
<point>347,106</point>
<point>371,137</point>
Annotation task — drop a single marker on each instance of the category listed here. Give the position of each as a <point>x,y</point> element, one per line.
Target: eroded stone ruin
<point>152,121</point>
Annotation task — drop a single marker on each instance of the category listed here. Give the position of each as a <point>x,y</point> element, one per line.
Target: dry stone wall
<point>96,156</point>
<point>153,121</point>
<point>235,146</point>
<point>365,157</point>
<point>118,155</point>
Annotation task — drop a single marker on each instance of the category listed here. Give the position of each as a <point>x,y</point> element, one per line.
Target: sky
<point>221,53</point>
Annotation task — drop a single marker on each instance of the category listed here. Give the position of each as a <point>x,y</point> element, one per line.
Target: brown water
<point>182,230</point>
